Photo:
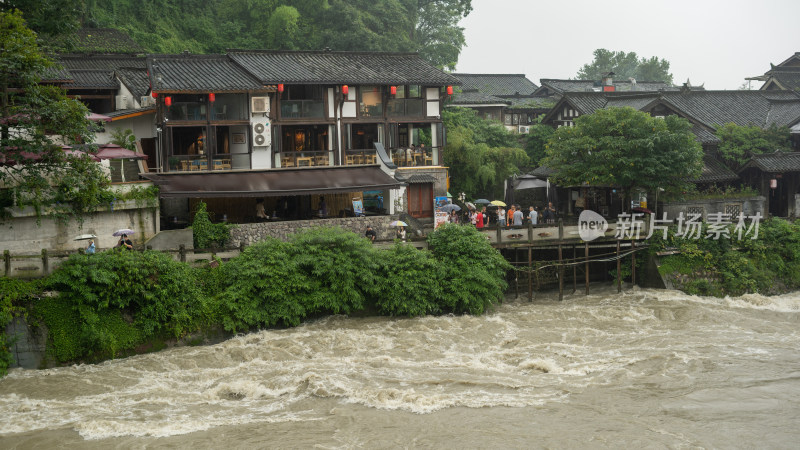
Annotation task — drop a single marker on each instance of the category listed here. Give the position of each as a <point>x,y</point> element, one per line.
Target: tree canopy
<point>481,154</point>
<point>626,148</point>
<point>36,120</point>
<point>625,65</point>
<point>739,143</point>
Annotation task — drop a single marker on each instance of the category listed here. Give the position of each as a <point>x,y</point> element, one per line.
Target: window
<point>370,104</point>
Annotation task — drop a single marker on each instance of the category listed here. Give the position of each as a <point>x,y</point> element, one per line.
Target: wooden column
<point>560,273</point>
<point>574,271</point>
<point>633,263</point>
<point>586,268</point>
<point>619,270</point>
<point>530,273</point>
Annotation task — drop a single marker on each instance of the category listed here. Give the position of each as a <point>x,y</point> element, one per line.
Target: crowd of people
<point>516,216</point>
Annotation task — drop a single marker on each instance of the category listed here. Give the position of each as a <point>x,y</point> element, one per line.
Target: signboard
<point>440,217</point>
<point>358,208</point>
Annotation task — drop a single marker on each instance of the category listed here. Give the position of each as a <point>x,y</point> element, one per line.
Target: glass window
<point>370,104</point>
<point>188,141</point>
<point>229,107</point>
<point>414,91</point>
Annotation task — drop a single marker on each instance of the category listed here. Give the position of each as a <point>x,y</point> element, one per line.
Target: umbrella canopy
<point>84,237</point>
<point>450,207</point>
<point>482,201</point>
<point>639,209</point>
<point>398,223</point>
<point>123,231</point>
<point>498,203</point>
<point>470,205</point>
<point>531,183</point>
<point>114,151</point>
<point>94,117</point>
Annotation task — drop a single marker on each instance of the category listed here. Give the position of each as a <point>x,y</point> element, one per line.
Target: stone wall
<point>747,205</point>
<point>250,233</point>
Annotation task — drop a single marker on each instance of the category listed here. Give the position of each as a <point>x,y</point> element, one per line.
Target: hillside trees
<point>739,143</point>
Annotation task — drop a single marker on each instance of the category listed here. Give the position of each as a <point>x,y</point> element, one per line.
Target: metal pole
<point>574,271</point>
<point>560,274</point>
<point>633,263</point>
<point>530,273</point>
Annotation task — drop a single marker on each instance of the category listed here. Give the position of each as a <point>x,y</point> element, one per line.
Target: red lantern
<point>393,90</point>
<point>449,90</point>
<point>211,97</point>
<point>154,94</point>
<point>280,88</point>
<point>345,89</point>
<point>168,100</point>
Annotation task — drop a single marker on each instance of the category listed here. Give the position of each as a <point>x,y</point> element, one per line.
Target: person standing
<point>551,213</point>
<point>533,216</point>
<point>125,243</point>
<point>501,216</point>
<point>473,217</point>
<point>401,234</point>
<point>479,219</point>
<point>370,234</point>
<point>517,216</point>
<point>510,216</point>
<point>91,248</point>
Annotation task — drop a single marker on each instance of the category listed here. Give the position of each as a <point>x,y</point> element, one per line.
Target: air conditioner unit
<point>260,105</point>
<point>146,101</point>
<point>260,134</point>
<point>122,102</point>
<point>524,129</point>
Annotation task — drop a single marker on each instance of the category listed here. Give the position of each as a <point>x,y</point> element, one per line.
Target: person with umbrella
<point>123,238</point>
<point>401,233</point>
<point>91,248</point>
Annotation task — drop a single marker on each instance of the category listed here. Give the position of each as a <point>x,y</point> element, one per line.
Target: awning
<point>274,182</point>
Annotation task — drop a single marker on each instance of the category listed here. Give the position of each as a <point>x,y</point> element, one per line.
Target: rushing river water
<point>644,369</point>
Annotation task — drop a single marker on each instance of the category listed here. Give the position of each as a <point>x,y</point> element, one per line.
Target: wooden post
<point>530,273</point>
<point>560,272</point>
<point>560,229</point>
<point>7,263</point>
<point>516,275</point>
<point>586,269</point>
<point>499,233</point>
<point>619,270</point>
<point>182,252</point>
<point>574,271</point>
<point>45,262</point>
<point>633,263</point>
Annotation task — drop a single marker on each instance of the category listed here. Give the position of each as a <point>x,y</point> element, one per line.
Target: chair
<point>217,164</point>
<point>321,160</point>
<point>350,160</point>
<point>304,161</point>
<point>185,166</point>
<point>203,164</point>
<point>287,161</point>
<point>221,114</point>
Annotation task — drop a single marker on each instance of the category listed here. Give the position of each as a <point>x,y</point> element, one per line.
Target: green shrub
<point>149,290</point>
<point>411,282</point>
<point>207,234</point>
<point>474,271</point>
<point>14,295</point>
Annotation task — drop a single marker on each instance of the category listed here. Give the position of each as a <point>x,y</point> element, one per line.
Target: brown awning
<point>275,182</point>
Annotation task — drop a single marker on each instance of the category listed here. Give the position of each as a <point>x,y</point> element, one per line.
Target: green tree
<point>481,154</point>
<point>36,119</point>
<point>739,143</point>
<point>626,148</point>
<point>625,65</point>
<point>48,17</point>
<point>536,142</point>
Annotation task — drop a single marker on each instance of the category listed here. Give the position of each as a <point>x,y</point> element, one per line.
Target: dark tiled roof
<point>92,79</point>
<point>715,172</point>
<point>191,73</point>
<point>775,162</point>
<point>417,178</point>
<point>477,98</point>
<point>98,40</point>
<point>542,172</point>
<point>710,108</point>
<point>703,135</point>
<point>787,80</point>
<point>101,62</point>
<point>562,86</point>
<point>125,112</point>
<point>136,80</point>
<point>497,84</point>
<point>57,74</point>
<point>531,102</point>
<point>328,67</point>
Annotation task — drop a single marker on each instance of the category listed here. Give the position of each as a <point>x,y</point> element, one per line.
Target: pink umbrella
<point>114,151</point>
<point>94,117</point>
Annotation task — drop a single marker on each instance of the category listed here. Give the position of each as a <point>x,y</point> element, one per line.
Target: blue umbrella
<point>482,201</point>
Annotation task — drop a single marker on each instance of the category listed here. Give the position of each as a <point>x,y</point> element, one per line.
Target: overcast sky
<point>715,42</point>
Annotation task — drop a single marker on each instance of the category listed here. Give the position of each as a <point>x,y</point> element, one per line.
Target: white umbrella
<point>84,237</point>
<point>123,231</point>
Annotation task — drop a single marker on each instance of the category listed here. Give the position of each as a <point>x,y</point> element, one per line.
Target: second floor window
<point>370,102</point>
<point>302,101</point>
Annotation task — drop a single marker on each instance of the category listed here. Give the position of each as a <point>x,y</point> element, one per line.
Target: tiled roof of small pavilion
<point>714,171</point>
<point>199,73</point>
<point>329,67</point>
<point>775,162</point>
<point>92,79</point>
<point>786,78</point>
<point>497,84</point>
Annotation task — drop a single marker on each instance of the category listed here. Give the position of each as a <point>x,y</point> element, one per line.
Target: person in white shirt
<point>533,216</point>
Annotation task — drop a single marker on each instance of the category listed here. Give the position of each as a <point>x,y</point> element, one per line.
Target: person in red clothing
<point>479,219</point>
